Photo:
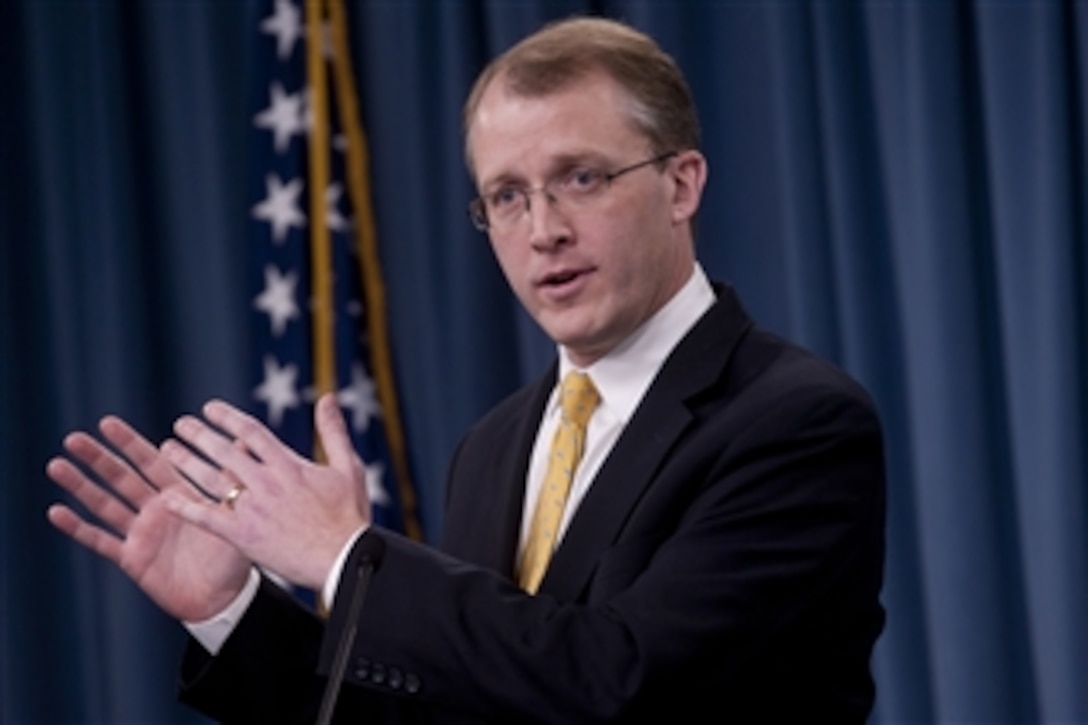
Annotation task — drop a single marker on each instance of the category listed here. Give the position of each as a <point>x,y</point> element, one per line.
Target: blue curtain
<point>899,186</point>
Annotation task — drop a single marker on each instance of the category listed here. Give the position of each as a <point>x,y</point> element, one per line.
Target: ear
<point>689,172</point>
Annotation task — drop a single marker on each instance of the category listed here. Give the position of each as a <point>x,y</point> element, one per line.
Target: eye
<point>582,180</point>
<point>504,198</point>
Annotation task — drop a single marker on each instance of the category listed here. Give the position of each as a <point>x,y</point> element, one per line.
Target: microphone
<point>371,549</point>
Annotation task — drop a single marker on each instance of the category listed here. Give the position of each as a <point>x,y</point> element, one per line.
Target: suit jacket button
<point>396,678</point>
<point>362,668</point>
<point>412,683</point>
<point>377,673</point>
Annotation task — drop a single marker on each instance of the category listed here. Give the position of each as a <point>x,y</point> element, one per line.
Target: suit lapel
<point>498,539</point>
<point>660,420</point>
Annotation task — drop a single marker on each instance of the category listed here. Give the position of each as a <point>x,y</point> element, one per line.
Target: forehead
<point>517,135</point>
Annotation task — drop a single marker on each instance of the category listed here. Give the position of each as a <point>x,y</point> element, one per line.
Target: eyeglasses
<point>574,189</point>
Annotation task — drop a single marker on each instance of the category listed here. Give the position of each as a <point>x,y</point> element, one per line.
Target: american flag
<point>317,305</point>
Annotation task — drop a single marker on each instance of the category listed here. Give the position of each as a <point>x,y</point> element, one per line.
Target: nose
<point>548,226</point>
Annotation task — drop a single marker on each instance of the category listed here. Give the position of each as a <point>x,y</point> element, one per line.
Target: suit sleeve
<point>234,686</point>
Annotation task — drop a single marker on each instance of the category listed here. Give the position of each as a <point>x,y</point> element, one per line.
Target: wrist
<point>213,631</point>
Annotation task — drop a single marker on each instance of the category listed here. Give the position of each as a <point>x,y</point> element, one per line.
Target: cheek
<point>635,252</point>
<point>642,261</point>
<point>514,267</point>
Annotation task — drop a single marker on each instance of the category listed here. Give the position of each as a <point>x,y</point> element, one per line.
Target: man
<point>710,548</point>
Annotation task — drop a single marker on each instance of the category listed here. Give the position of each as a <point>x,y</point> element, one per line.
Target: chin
<point>569,335</point>
<point>582,349</point>
<point>574,329</point>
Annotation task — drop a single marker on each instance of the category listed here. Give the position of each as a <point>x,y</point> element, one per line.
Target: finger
<point>142,453</point>
<point>212,480</point>
<point>93,537</point>
<point>111,468</point>
<point>262,442</point>
<point>220,451</point>
<point>106,506</point>
<point>334,435</point>
<point>242,447</point>
<point>215,519</point>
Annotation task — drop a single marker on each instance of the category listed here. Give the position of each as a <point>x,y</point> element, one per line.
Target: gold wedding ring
<point>233,494</point>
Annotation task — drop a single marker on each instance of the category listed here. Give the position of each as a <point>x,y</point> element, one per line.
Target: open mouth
<point>565,285</point>
<point>560,278</point>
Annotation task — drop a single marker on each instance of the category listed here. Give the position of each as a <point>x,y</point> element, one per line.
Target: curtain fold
<point>899,186</point>
<point>1032,81</point>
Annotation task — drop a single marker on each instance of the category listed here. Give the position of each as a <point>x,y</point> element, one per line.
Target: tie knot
<point>578,398</point>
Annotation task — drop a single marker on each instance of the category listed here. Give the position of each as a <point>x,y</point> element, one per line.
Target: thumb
<point>335,439</point>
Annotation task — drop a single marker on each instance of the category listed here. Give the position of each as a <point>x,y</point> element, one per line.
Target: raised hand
<point>188,572</point>
<point>287,513</point>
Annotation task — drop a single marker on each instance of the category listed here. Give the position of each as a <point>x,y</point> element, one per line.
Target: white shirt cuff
<point>213,632</point>
<point>332,581</point>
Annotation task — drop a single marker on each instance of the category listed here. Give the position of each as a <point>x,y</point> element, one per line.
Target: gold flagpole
<point>324,356</point>
<point>358,163</point>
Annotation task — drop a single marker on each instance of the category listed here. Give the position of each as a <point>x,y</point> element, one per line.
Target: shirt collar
<point>624,374</point>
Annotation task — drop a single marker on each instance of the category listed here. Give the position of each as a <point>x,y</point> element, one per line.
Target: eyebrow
<point>559,165</point>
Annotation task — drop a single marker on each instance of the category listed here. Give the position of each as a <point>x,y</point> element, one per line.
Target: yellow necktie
<point>577,398</point>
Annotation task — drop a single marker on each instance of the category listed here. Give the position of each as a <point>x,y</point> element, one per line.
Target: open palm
<point>188,572</point>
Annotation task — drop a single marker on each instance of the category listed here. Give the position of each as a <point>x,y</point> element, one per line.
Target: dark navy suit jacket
<point>725,566</point>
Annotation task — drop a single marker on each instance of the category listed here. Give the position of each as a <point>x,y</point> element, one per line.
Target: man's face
<point>589,276</point>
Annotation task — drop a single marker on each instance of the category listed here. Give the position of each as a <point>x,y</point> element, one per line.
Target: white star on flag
<point>278,390</point>
<point>286,116</point>
<point>375,486</point>
<point>280,207</point>
<point>277,300</point>
<point>360,398</point>
<point>286,25</point>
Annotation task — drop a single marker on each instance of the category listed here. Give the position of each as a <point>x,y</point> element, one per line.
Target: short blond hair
<point>569,50</point>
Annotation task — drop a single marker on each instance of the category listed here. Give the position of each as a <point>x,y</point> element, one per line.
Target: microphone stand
<point>367,565</point>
